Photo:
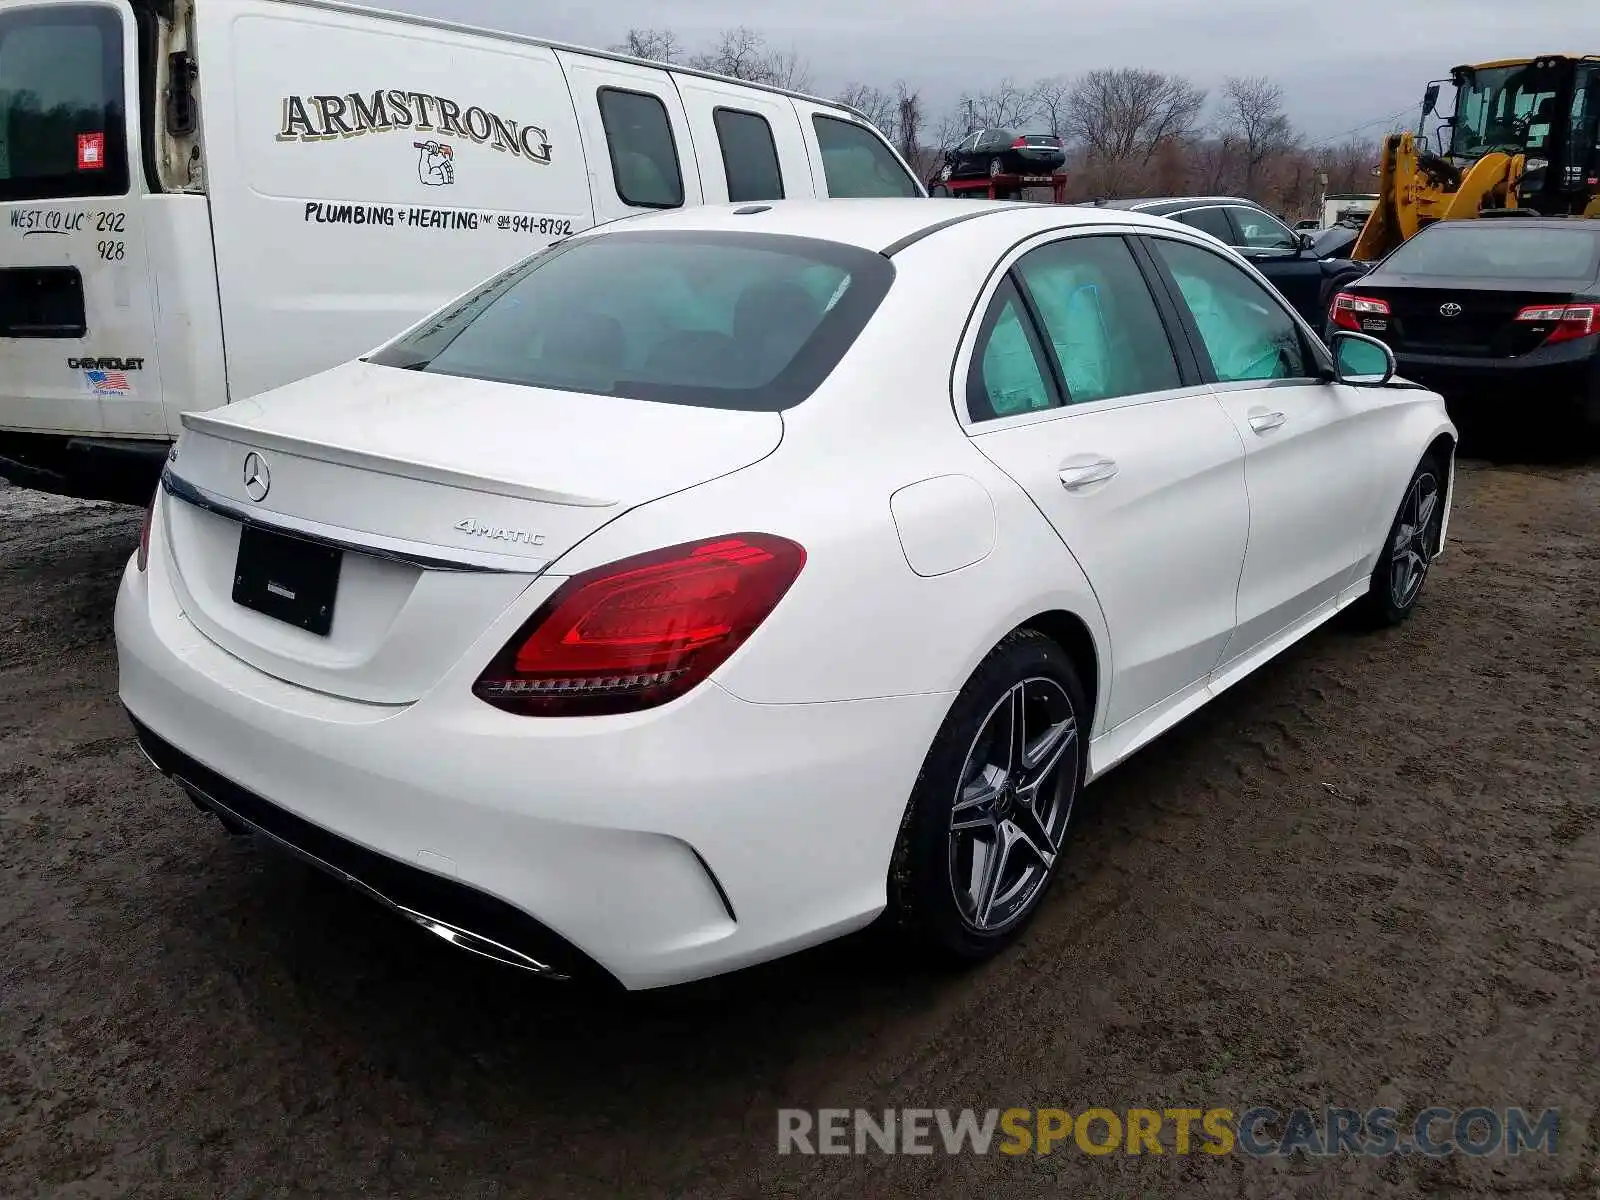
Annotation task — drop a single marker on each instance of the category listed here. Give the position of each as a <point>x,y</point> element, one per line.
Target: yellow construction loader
<point>1523,137</point>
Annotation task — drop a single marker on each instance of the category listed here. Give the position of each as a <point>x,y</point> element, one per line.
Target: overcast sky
<point>1343,64</point>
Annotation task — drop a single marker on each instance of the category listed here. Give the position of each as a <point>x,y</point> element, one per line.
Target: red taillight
<point>1348,309</point>
<point>144,533</point>
<point>642,631</point>
<point>1567,322</point>
<point>1020,144</point>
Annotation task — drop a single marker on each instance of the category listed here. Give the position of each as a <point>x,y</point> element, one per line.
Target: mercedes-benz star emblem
<point>257,479</point>
<point>1451,309</point>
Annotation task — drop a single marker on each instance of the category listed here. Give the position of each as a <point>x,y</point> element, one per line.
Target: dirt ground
<point>1368,876</point>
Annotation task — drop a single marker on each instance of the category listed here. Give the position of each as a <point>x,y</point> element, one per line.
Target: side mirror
<point>1430,100</point>
<point>1307,240</point>
<point>1361,361</point>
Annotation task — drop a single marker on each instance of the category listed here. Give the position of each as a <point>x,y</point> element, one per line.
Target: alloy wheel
<point>1013,804</point>
<point>1416,540</point>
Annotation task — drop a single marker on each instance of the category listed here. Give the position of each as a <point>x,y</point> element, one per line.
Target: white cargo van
<point>204,199</point>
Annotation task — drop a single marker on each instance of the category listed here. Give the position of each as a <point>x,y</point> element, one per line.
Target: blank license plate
<point>288,579</point>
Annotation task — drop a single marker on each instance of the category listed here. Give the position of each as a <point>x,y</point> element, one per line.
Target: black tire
<point>1390,600</point>
<point>927,907</point>
<point>996,167</point>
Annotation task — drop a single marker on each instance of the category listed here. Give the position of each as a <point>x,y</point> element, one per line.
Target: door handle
<point>1266,422</point>
<point>1075,475</point>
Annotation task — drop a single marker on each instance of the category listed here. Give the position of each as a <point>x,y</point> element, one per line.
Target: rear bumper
<point>1559,374</point>
<point>652,849</point>
<point>121,470</point>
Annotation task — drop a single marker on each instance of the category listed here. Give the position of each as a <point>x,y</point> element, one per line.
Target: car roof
<point>1161,205</point>
<point>1481,222</point>
<point>882,225</point>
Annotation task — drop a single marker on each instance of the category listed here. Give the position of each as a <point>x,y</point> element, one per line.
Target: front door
<point>1140,474</point>
<point>1308,467</point>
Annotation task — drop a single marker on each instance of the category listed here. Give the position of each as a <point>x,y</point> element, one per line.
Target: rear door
<point>748,142</point>
<point>640,151</point>
<point>77,328</point>
<point>1138,469</point>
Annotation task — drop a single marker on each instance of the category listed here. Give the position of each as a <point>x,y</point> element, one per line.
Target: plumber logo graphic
<point>436,163</point>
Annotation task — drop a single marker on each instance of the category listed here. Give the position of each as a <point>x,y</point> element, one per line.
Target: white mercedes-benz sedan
<point>715,583</point>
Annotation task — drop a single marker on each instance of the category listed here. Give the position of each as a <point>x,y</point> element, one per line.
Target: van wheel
<point>1413,543</point>
<point>990,814</point>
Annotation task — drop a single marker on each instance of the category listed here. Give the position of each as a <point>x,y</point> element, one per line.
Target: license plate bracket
<point>287,578</point>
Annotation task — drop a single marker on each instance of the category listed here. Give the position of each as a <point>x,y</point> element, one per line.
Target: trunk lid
<point>441,500</point>
<point>1465,318</point>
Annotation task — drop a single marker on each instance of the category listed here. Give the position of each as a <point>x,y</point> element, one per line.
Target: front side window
<point>1247,333</point>
<point>1258,231</point>
<point>749,156</point>
<point>753,322</point>
<point>644,155</point>
<point>1008,375</point>
<point>1209,220</point>
<point>856,162</point>
<point>63,130</point>
<point>1100,319</point>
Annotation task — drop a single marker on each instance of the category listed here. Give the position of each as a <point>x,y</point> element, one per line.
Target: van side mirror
<point>1361,361</point>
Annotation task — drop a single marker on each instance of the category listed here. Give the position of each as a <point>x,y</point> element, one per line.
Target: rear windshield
<point>61,103</point>
<point>1504,251</point>
<point>718,320</point>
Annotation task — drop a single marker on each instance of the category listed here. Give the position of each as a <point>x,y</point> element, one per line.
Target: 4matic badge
<point>497,533</point>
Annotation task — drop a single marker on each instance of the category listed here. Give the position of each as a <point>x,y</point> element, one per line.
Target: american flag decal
<point>109,383</point>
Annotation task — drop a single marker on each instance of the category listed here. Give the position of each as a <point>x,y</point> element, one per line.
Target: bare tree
<point>1251,116</point>
<point>743,53</point>
<point>660,45</point>
<point>875,104</point>
<point>1003,107</point>
<point>1050,103</point>
<point>1123,116</point>
<point>1349,166</point>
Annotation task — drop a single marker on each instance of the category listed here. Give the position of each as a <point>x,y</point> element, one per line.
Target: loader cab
<point>1545,109</point>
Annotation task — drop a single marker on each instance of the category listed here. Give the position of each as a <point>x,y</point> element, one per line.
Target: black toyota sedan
<point>1304,277</point>
<point>1502,312</point>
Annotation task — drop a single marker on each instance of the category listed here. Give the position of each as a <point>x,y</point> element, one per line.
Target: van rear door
<point>77,326</point>
<point>640,153</point>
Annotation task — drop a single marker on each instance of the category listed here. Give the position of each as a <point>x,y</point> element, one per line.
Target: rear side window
<point>749,156</point>
<point>1209,220</point>
<point>856,162</point>
<point>62,123</point>
<point>1100,319</point>
<point>644,155</point>
<point>719,320</point>
<point>1008,375</point>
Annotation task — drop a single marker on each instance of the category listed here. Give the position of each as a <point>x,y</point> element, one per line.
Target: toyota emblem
<point>1451,309</point>
<point>257,479</point>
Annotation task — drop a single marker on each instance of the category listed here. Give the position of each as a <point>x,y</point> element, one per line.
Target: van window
<point>62,129</point>
<point>717,319</point>
<point>644,156</point>
<point>749,156</point>
<point>857,163</point>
